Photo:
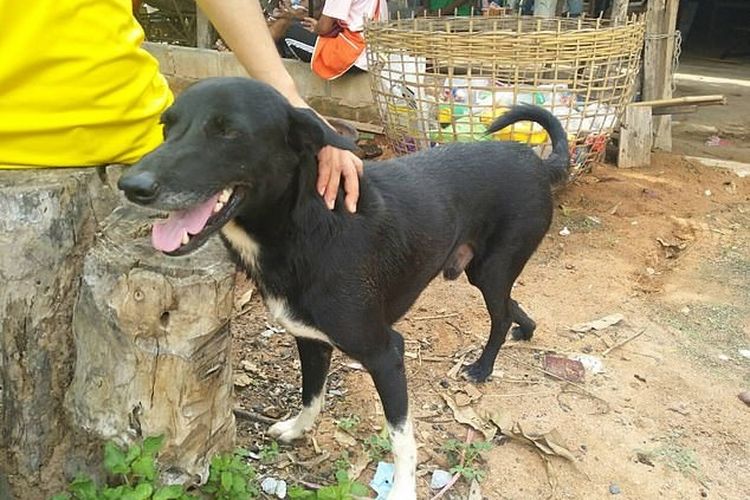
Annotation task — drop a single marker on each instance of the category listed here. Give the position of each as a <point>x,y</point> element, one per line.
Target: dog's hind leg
<point>315,358</point>
<point>386,367</point>
<point>525,325</point>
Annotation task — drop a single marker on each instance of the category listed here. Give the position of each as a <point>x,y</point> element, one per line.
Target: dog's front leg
<point>315,358</point>
<point>386,366</point>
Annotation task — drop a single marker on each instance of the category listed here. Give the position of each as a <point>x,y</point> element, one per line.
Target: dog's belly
<point>280,313</point>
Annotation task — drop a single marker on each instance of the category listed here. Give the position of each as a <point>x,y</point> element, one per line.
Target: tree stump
<point>102,337</point>
<point>48,222</point>
<point>153,347</point>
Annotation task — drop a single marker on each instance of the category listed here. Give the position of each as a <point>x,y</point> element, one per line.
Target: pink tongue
<point>167,234</point>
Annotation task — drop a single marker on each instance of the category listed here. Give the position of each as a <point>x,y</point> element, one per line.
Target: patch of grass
<point>378,445</point>
<point>471,453</point>
<point>348,424</point>
<point>269,453</point>
<point>675,456</point>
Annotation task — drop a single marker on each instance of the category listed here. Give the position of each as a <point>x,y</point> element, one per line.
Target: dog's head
<point>230,144</point>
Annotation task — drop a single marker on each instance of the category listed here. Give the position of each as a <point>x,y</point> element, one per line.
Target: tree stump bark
<point>153,347</point>
<point>102,337</point>
<point>48,222</point>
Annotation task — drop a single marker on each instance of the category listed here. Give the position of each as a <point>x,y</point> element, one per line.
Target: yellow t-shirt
<point>76,88</point>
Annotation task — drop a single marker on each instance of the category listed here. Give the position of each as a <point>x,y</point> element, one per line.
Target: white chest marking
<point>242,243</point>
<point>279,312</point>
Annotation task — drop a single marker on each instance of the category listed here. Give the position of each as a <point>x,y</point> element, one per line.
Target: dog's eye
<point>221,126</point>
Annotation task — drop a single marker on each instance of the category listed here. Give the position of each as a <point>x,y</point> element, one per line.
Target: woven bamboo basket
<point>443,79</point>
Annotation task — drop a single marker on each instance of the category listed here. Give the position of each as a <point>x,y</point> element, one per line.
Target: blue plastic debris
<point>382,482</point>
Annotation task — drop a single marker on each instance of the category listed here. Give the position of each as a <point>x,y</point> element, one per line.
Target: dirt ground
<point>668,247</point>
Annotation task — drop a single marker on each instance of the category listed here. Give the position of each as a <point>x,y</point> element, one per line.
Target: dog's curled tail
<point>558,161</point>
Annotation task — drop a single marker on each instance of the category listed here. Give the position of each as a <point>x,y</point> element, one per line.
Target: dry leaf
<point>453,372</point>
<point>244,299</point>
<point>468,416</point>
<point>357,468</point>
<point>344,439</point>
<point>598,324</point>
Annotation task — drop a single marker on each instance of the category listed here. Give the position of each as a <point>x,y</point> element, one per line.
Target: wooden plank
<point>619,11</point>
<point>697,100</point>
<point>661,20</point>
<point>635,138</point>
<point>203,31</point>
<point>674,110</point>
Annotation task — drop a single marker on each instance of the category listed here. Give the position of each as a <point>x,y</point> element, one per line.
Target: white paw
<point>398,493</point>
<point>287,430</point>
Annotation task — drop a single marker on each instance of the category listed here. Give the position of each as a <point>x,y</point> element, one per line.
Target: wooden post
<point>101,337</point>
<point>661,21</point>
<point>203,31</point>
<point>619,11</point>
<point>635,137</point>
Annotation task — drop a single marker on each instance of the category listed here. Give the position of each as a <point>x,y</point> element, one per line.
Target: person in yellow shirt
<point>77,89</point>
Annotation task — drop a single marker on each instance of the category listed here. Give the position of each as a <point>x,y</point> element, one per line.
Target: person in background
<point>336,13</point>
<point>451,7</point>
<point>77,89</point>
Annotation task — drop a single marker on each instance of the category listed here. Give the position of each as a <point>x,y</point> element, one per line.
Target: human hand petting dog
<point>335,165</point>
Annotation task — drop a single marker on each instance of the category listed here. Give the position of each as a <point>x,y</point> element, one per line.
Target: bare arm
<point>242,26</point>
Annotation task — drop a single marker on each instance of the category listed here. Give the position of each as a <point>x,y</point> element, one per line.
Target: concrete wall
<point>346,97</point>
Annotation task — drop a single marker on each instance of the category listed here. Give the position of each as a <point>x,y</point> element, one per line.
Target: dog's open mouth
<point>186,230</point>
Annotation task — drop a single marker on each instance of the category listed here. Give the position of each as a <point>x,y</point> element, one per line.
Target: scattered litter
<point>439,479</point>
<point>354,365</point>
<point>744,397</point>
<point>565,231</point>
<point>453,372</point>
<point>273,486</point>
<point>242,380</point>
<point>598,324</point>
<point>336,392</point>
<point>614,489</point>
<point>680,408</point>
<point>467,415</point>
<point>382,481</point>
<point>745,353</point>
<point>590,363</point>
<point>707,192</point>
<point>723,357</point>
<point>475,491</point>
<point>571,370</point>
<point>271,330</point>
<point>623,342</point>
<point>716,141</point>
<point>596,220</point>
<point>650,271</point>
<point>644,459</point>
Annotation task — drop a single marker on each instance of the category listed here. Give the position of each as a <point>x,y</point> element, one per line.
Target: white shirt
<point>352,13</point>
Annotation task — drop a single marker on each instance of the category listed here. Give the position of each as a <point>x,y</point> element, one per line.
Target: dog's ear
<point>308,131</point>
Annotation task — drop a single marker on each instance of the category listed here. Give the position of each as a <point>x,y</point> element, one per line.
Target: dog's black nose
<point>140,188</point>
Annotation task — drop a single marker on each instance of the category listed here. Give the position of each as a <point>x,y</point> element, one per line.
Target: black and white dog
<point>240,160</point>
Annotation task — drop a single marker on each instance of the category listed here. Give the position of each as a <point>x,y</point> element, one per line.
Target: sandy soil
<point>668,247</point>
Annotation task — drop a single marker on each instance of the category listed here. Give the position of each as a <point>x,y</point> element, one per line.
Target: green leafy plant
<point>269,453</point>
<point>471,453</point>
<point>132,475</point>
<point>344,489</point>
<point>348,424</point>
<point>231,478</point>
<point>378,445</point>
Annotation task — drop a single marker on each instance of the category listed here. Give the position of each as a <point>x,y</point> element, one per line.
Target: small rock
<point>745,353</point>
<point>650,271</point>
<point>445,384</point>
<point>242,380</point>
<point>439,479</point>
<point>685,310</point>
<point>565,231</point>
<point>268,485</point>
<point>704,493</point>
<point>614,489</point>
<point>744,397</point>
<point>707,192</point>
<point>723,357</point>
